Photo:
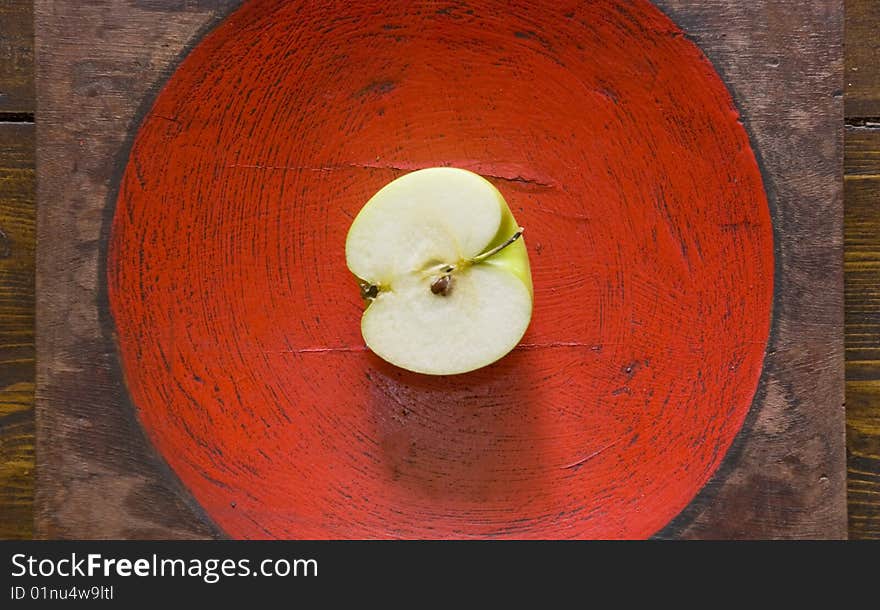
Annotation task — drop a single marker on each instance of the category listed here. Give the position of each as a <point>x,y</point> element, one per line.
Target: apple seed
<point>442,285</point>
<point>369,291</point>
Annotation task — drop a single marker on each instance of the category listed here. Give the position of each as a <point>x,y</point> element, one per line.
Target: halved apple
<point>444,270</point>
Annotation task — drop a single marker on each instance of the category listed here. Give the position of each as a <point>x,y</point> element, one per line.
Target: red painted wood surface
<point>618,148</point>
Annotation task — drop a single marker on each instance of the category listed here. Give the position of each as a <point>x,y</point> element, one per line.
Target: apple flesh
<point>444,271</point>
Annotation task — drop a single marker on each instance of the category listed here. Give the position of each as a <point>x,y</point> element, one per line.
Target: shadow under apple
<point>467,440</point>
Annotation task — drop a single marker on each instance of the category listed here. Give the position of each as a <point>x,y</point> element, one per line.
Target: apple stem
<point>497,249</point>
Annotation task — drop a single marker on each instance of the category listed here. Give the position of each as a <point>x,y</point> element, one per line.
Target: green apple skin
<point>514,258</point>
<point>407,325</point>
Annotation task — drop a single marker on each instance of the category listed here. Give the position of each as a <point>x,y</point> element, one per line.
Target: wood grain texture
<point>17,53</point>
<point>99,478</point>
<point>96,475</point>
<point>862,76</point>
<point>862,267</point>
<point>17,235</point>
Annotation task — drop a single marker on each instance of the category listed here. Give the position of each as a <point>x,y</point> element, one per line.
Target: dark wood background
<point>862,265</point>
<point>17,215</point>
<point>17,237</point>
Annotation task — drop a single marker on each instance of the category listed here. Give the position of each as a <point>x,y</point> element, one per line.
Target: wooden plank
<point>17,51</point>
<point>862,158</point>
<point>99,478</point>
<point>862,268</point>
<point>862,78</point>
<point>17,234</point>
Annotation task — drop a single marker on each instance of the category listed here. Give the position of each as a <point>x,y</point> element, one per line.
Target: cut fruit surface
<point>441,306</point>
<point>481,319</point>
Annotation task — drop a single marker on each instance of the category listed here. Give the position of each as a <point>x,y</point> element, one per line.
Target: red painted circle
<point>617,147</point>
